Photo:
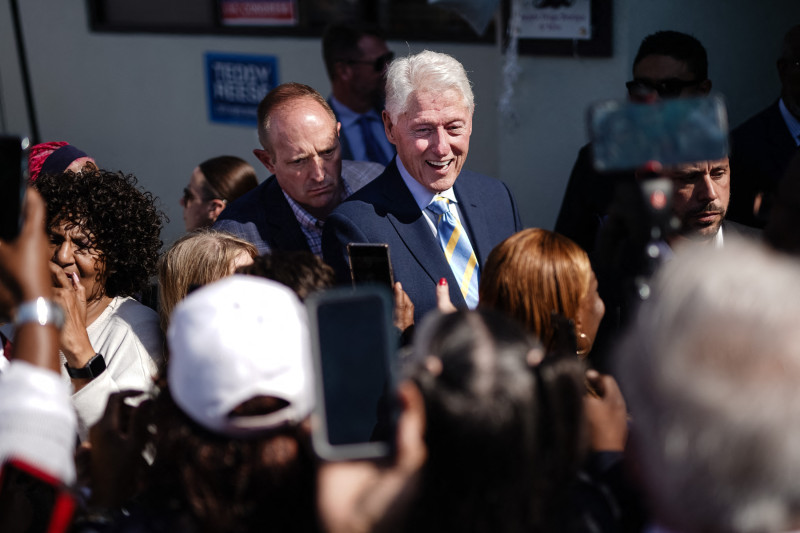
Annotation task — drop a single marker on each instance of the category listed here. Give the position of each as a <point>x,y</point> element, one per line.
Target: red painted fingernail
<point>443,281</point>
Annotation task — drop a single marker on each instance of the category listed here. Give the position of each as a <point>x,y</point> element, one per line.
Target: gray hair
<point>428,71</point>
<point>711,372</point>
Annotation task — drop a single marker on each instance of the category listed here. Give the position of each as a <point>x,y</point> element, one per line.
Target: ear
<point>388,127</point>
<point>339,129</point>
<point>705,86</point>
<point>215,208</point>
<point>411,449</point>
<point>265,158</point>
<point>343,71</point>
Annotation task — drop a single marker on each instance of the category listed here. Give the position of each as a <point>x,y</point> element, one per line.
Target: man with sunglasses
<point>762,146</point>
<point>356,57</point>
<point>669,64</point>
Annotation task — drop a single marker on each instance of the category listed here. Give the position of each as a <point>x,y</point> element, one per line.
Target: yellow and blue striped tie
<point>457,250</point>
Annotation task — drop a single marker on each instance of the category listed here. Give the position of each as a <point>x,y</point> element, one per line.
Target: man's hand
<point>403,308</point>
<point>606,413</point>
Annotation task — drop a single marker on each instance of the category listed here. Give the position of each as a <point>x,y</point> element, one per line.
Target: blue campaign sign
<point>236,85</point>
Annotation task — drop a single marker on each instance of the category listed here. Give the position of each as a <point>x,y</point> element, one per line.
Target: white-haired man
<point>710,371</point>
<point>440,221</point>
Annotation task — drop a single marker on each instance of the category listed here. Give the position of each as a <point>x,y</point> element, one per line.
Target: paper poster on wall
<point>556,19</point>
<point>258,12</point>
<point>236,84</point>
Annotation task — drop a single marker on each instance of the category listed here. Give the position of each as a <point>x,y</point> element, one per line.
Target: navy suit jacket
<point>385,211</point>
<point>264,217</point>
<point>761,149</point>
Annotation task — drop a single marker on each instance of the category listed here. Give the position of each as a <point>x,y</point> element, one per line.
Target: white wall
<point>137,102</point>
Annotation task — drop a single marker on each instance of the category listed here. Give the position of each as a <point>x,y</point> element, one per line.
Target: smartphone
<point>33,501</point>
<point>354,348</point>
<point>626,135</point>
<point>13,178</point>
<point>370,263</point>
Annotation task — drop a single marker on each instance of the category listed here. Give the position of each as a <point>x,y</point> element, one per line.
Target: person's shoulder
<point>357,174</point>
<point>132,313</point>
<point>729,227</point>
<point>758,121</point>
<point>477,183</point>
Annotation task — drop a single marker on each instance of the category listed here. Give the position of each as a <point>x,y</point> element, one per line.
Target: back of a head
<point>340,42</point>
<point>679,46</point>
<point>533,273</point>
<point>228,177</point>
<point>301,271</point>
<point>240,387</point>
<point>429,71</point>
<point>484,425</point>
<point>282,96</point>
<point>196,259</point>
<point>710,370</point>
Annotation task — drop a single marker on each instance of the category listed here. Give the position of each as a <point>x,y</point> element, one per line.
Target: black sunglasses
<point>669,88</point>
<point>378,64</point>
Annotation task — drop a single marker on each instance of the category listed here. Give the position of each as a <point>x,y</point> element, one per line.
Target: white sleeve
<point>37,421</point>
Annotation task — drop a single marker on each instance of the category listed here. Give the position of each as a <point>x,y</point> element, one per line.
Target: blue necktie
<point>457,250</point>
<point>374,151</point>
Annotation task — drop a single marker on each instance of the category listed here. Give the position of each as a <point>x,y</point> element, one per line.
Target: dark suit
<point>587,200</point>
<point>385,211</point>
<point>263,217</point>
<point>761,149</point>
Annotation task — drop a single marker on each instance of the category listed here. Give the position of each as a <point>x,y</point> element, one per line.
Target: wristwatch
<point>42,311</point>
<point>95,367</point>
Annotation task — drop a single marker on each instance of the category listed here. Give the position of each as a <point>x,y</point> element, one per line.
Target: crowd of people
<point>543,381</point>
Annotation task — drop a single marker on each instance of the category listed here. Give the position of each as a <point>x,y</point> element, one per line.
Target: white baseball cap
<point>237,339</point>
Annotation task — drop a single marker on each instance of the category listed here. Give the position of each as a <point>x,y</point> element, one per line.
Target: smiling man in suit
<point>440,221</point>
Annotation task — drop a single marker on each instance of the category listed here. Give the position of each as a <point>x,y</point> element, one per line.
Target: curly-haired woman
<point>104,237</point>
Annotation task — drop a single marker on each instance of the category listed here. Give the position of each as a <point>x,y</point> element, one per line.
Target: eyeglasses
<point>378,64</point>
<point>669,88</point>
<point>188,195</point>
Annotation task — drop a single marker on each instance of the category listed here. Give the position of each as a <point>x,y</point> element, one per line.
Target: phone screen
<point>627,135</point>
<point>33,501</point>
<point>369,263</point>
<point>354,347</point>
<point>13,174</point>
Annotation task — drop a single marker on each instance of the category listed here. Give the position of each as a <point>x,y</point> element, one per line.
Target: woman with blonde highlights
<point>197,259</point>
<point>537,272</point>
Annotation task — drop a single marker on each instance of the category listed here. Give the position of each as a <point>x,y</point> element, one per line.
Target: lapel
<point>475,220</point>
<point>778,134</point>
<point>410,224</point>
<point>283,232</point>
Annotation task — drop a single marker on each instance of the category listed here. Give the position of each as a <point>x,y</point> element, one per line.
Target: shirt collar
<point>305,218</point>
<point>791,122</point>
<point>347,116</point>
<point>421,195</point>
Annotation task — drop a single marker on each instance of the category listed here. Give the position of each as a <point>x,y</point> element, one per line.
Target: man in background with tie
<point>440,221</point>
<point>356,57</point>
